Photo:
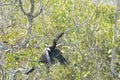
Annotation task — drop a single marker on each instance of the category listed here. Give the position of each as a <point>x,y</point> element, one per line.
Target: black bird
<point>51,54</point>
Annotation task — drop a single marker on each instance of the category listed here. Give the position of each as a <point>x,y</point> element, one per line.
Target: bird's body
<point>51,54</point>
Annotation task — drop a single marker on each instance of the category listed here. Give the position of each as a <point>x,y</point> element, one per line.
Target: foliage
<point>87,48</point>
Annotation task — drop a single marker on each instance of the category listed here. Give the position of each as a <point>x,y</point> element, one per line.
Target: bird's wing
<point>45,57</point>
<point>58,55</point>
<point>30,70</point>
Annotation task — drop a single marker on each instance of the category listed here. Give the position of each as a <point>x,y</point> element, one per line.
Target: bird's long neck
<point>55,41</point>
<point>53,46</point>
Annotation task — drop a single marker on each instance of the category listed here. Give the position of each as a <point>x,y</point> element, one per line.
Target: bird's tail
<point>30,70</point>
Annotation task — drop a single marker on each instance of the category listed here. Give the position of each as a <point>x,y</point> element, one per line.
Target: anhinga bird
<point>50,54</point>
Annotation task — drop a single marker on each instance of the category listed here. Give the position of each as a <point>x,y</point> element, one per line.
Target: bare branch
<point>37,14</point>
<point>14,72</point>
<point>47,72</point>
<point>114,51</point>
<point>21,6</point>
<point>115,23</point>
<point>41,9</point>
<point>31,6</point>
<point>2,72</point>
<point>5,4</point>
<point>1,3</point>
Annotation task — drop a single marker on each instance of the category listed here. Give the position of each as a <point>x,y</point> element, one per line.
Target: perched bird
<point>51,54</point>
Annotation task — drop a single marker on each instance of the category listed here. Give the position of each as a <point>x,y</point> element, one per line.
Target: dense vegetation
<point>88,44</point>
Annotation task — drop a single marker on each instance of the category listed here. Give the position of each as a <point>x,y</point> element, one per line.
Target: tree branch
<point>4,3</point>
<point>31,7</point>
<point>21,6</point>
<point>41,9</point>
<point>2,72</point>
<point>114,51</point>
<point>37,14</point>
<point>47,72</point>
